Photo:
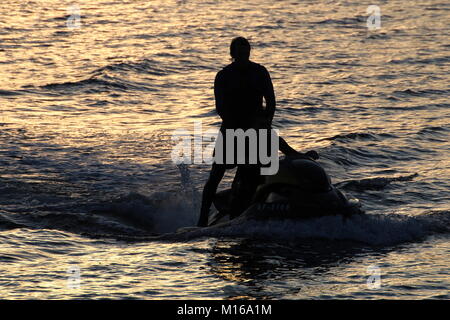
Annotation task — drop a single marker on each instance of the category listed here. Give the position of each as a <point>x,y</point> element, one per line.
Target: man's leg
<point>244,187</point>
<point>209,192</point>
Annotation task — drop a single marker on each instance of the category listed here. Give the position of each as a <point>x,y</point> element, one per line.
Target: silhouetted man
<point>239,90</point>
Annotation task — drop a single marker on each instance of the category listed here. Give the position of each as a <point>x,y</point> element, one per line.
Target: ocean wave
<point>377,183</point>
<point>435,61</point>
<point>373,36</point>
<point>432,130</point>
<point>162,212</point>
<point>9,93</point>
<point>79,223</point>
<point>131,214</point>
<point>369,229</point>
<point>411,92</point>
<point>145,66</point>
<point>96,84</point>
<point>344,21</point>
<point>90,82</point>
<point>170,216</point>
<point>358,136</point>
<point>113,77</point>
<point>7,224</point>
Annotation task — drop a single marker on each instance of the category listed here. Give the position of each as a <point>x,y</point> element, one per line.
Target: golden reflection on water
<point>135,126</point>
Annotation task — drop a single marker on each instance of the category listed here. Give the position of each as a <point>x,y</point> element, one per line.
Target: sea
<point>93,94</point>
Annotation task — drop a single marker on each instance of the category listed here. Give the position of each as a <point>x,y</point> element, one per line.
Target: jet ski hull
<point>281,200</point>
<point>317,205</point>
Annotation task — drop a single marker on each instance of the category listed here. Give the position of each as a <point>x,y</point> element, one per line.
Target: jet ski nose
<point>310,175</point>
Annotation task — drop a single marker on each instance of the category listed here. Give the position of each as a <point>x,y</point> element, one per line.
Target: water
<point>87,183</point>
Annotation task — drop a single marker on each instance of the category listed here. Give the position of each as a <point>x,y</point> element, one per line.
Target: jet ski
<point>301,189</point>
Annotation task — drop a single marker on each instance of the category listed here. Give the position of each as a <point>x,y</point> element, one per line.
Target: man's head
<point>240,49</point>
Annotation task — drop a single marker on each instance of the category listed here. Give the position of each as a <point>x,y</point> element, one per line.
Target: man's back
<point>239,90</point>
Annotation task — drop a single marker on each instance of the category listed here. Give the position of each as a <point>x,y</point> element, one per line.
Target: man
<point>239,90</point>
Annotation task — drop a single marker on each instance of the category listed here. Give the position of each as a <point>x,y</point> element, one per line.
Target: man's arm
<point>218,94</point>
<point>269,96</point>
